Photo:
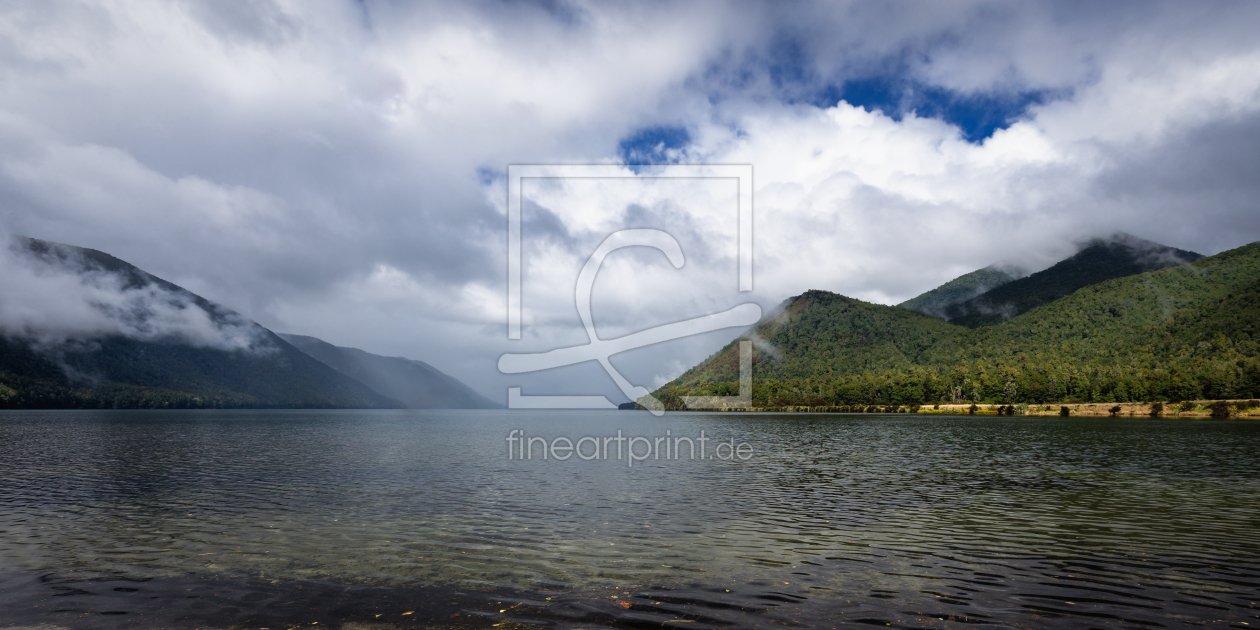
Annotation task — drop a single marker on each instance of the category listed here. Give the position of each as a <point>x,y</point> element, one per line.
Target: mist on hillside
<point>53,295</point>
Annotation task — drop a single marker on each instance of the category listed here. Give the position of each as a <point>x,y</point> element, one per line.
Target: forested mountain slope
<point>1187,331</point>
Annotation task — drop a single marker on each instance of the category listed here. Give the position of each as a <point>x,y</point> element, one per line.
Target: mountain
<point>962,288</point>
<point>416,383</point>
<point>822,333</point>
<point>83,329</point>
<point>1099,260</point>
<point>1189,331</point>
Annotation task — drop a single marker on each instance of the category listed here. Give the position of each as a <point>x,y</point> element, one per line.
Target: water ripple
<point>908,521</point>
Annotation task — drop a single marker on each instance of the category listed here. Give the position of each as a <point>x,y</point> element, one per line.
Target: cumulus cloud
<point>336,168</point>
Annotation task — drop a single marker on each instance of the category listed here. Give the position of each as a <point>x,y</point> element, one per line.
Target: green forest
<point>1186,332</point>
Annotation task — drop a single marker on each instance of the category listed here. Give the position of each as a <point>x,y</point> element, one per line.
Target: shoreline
<point>1239,408</point>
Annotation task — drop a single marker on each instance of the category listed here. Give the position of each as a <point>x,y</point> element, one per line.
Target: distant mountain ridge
<point>416,383</point>
<point>110,335</point>
<point>1007,292</point>
<point>1100,260</point>
<point>963,288</point>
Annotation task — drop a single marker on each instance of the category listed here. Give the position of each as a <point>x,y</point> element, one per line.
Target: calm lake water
<point>420,519</point>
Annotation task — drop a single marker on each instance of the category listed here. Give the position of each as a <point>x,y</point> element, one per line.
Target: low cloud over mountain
<point>55,294</point>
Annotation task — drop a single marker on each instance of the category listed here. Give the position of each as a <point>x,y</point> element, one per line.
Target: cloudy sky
<point>337,168</point>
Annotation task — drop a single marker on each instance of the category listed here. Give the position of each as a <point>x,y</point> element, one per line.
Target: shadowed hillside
<point>138,341</point>
<point>1102,259</point>
<point>961,289</point>
<point>416,383</point>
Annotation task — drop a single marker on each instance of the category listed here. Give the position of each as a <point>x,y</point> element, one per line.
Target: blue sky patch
<point>887,85</point>
<point>977,115</point>
<point>653,145</point>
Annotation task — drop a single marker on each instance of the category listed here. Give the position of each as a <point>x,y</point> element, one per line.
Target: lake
<point>412,519</point>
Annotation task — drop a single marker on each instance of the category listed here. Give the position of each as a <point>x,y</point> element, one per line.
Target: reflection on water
<point>257,518</point>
